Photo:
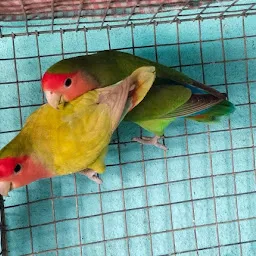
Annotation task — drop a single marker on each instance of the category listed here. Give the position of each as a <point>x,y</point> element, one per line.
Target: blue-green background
<point>199,199</point>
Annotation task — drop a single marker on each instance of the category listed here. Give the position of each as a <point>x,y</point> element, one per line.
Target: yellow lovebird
<point>73,139</point>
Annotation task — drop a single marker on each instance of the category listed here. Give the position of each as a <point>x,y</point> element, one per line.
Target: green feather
<point>213,114</point>
<point>109,67</point>
<point>159,101</point>
<point>156,126</point>
<point>154,113</point>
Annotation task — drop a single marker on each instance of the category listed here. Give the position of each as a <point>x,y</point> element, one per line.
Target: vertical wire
<point>39,61</point>
<point>75,178</point>
<point>52,10</point>
<point>78,218</point>
<point>54,217</point>
<point>105,14</point>
<point>231,142</point>
<point>123,197</point>
<point>210,150</point>
<point>249,99</point>
<point>81,5</point>
<point>52,200</point>
<point>157,11</point>
<point>4,244</point>
<point>186,135</point>
<point>189,167</point>
<point>19,106</point>
<point>132,12</point>
<point>244,13</point>
<point>24,14</point>
<point>121,169</point>
<point>102,217</point>
<point>166,162</point>
<point>179,11</point>
<point>144,168</point>
<point>77,214</point>
<point>221,16</point>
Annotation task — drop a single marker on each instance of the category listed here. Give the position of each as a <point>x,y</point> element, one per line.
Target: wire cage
<point>198,198</point>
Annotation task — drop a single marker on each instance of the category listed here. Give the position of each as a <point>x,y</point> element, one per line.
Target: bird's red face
<point>66,87</point>
<point>19,171</point>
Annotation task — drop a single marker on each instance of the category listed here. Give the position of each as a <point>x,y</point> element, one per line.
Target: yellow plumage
<point>76,136</point>
<point>67,140</point>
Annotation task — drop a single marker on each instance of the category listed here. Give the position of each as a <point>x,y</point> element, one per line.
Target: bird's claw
<point>92,175</point>
<point>150,141</point>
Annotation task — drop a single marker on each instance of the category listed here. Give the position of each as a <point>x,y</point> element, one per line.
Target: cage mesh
<point>99,14</point>
<point>199,197</point>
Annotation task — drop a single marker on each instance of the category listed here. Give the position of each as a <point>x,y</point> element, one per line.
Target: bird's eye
<point>17,168</point>
<point>68,82</point>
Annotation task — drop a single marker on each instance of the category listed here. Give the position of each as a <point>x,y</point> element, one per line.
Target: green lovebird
<point>172,95</point>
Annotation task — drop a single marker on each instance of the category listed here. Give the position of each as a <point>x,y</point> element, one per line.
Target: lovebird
<point>172,95</point>
<point>73,139</point>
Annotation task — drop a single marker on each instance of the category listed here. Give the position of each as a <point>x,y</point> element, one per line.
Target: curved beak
<point>53,99</point>
<point>5,187</point>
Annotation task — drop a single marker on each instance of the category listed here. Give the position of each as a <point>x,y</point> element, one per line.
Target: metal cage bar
<point>131,24</point>
<point>108,18</point>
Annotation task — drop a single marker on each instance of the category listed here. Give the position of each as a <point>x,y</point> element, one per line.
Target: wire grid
<point>44,9</point>
<point>38,9</point>
<point>114,13</point>
<point>198,199</point>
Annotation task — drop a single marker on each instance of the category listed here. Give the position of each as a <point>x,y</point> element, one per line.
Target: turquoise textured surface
<point>198,199</point>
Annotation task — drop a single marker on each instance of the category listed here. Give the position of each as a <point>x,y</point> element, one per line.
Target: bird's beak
<point>5,187</point>
<point>53,99</point>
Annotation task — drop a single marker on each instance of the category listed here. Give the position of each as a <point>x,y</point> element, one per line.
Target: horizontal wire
<point>148,185</point>
<point>145,160</point>
<point>162,10</point>
<point>117,239</point>
<point>143,208</point>
<point>119,26</point>
<point>142,47</point>
<point>176,136</point>
<point>160,232</point>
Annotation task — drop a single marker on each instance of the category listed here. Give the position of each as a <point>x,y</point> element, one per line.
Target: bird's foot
<point>151,141</point>
<point>92,175</point>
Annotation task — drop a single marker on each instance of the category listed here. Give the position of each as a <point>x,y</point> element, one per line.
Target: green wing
<point>152,112</point>
<point>126,63</point>
<point>156,126</point>
<point>109,67</point>
<point>160,101</point>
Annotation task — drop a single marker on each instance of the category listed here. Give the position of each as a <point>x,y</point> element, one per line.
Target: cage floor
<point>198,199</point>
